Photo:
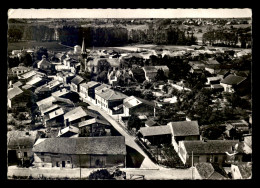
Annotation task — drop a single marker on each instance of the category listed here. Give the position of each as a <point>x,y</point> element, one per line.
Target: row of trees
<point>228,37</point>
<point>32,32</point>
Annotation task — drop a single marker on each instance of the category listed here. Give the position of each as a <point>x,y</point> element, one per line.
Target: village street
<point>131,173</point>
<point>129,140</point>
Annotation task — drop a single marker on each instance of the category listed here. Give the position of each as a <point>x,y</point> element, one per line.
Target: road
<point>129,139</point>
<point>149,174</point>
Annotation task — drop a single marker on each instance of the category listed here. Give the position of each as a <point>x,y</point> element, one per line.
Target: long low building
<point>88,152</point>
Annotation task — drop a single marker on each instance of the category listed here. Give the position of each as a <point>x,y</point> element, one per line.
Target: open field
<point>51,46</point>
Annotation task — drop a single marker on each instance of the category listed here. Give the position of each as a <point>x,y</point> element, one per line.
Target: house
<point>183,130</point>
<point>26,76</point>
<point>223,73</point>
<point>75,116</point>
<point>150,123</point>
<point>86,152</point>
<point>151,71</point>
<point>231,82</point>
<point>17,84</point>
<point>44,65</point>
<point>19,146</point>
<point>11,94</point>
<point>197,68</point>
<point>54,118</point>
<point>93,127</point>
<point>47,108</point>
<point>107,99</point>
<point>217,151</point>
<point>115,75</point>
<point>155,135</point>
<point>137,106</point>
<point>34,82</point>
<point>212,68</point>
<point>69,131</point>
<point>20,70</point>
<point>75,82</point>
<point>241,171</point>
<point>92,64</point>
<point>87,90</point>
<point>217,87</point>
<point>237,128</point>
<point>209,171</point>
<point>64,77</point>
<point>213,80</point>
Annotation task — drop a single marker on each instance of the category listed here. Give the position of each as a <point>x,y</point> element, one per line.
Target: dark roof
<point>150,122</point>
<point>212,146</point>
<point>156,130</point>
<point>233,80</point>
<point>22,142</point>
<point>185,128</point>
<point>77,80</point>
<point>211,171</point>
<point>12,92</point>
<point>108,145</point>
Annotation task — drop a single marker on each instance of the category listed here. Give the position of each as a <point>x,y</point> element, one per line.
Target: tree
<point>100,175</point>
<point>160,76</point>
<point>26,59</point>
<point>103,65</point>
<point>14,34</point>
<point>40,52</point>
<point>134,122</point>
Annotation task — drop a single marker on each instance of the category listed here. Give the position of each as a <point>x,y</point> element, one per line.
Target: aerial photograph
<point>129,94</point>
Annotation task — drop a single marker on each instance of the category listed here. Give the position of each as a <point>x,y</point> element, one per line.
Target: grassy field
<point>52,46</point>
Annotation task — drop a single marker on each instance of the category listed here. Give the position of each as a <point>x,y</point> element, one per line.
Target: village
<point>139,111</point>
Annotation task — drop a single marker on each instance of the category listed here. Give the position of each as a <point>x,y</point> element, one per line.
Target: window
<point>208,159</point>
<point>68,162</point>
<point>25,154</point>
<point>42,159</point>
<point>215,159</point>
<point>42,153</point>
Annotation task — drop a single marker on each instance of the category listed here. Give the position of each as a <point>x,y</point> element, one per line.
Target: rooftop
<point>156,130</point>
<point>233,80</point>
<point>74,114</point>
<point>110,94</point>
<point>89,84</point>
<point>212,146</point>
<point>12,92</point>
<point>77,80</point>
<point>92,121</point>
<point>68,129</point>
<point>184,128</point>
<point>109,145</point>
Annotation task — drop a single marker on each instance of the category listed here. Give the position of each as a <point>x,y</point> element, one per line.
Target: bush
<point>100,174</point>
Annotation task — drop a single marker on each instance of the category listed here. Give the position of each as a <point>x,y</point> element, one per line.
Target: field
<point>51,46</point>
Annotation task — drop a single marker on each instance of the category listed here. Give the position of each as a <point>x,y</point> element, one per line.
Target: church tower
<point>84,54</point>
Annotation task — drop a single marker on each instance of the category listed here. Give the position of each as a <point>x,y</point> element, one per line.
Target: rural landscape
<point>129,98</point>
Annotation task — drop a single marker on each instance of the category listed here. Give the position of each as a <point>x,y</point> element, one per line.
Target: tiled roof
<point>156,130</point>
<point>150,122</point>
<point>110,94</point>
<point>212,62</point>
<point>212,146</point>
<point>48,107</point>
<point>68,129</point>
<point>12,92</point>
<point>107,145</point>
<point>22,142</point>
<point>46,100</point>
<point>89,84</point>
<point>28,74</point>
<point>17,84</point>
<point>60,92</point>
<point>55,113</point>
<point>92,121</point>
<point>210,171</point>
<point>245,170</point>
<point>102,86</point>
<point>233,80</point>
<point>185,128</point>
<point>114,62</point>
<point>74,114</point>
<point>77,80</point>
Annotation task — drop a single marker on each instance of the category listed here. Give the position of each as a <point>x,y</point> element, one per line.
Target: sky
<point>129,13</point>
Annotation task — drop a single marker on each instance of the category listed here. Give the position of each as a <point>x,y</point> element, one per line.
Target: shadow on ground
<point>133,158</point>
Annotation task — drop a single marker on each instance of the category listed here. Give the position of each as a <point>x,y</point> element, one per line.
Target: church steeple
<point>83,47</point>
